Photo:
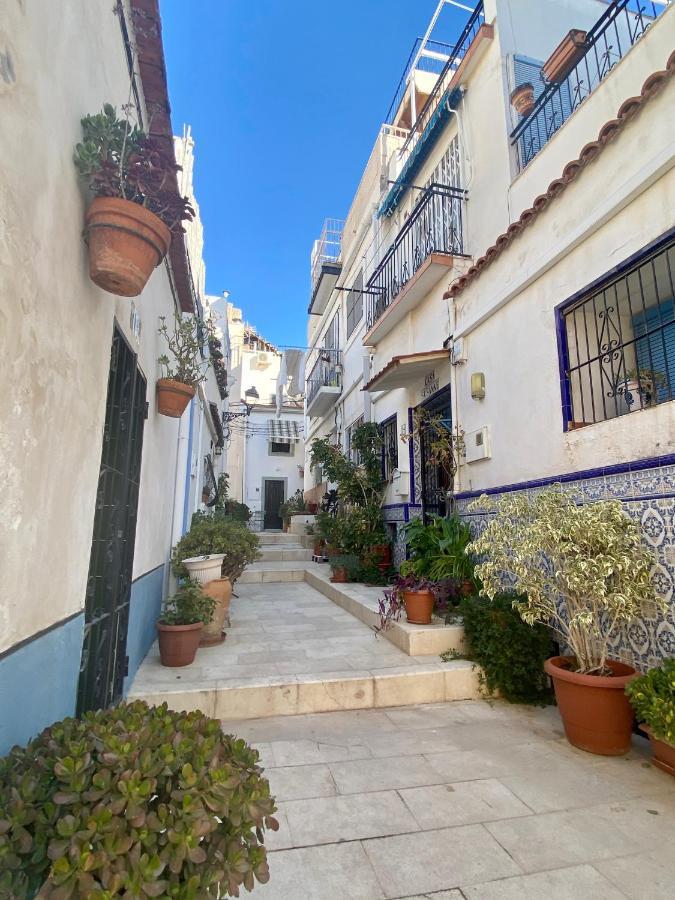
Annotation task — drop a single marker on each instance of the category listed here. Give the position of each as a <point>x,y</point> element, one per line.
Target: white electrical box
<point>458,353</point>
<point>401,482</point>
<point>477,444</point>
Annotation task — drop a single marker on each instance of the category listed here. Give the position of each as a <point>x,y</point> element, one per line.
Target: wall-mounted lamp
<point>251,394</point>
<point>477,385</point>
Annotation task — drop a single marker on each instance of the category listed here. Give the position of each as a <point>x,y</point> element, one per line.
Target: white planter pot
<point>203,569</point>
<point>634,398</point>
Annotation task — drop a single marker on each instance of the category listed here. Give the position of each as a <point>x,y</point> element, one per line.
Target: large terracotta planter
<point>339,576</point>
<point>419,606</point>
<point>203,569</point>
<point>126,242</point>
<point>220,590</point>
<point>664,754</point>
<point>178,643</point>
<point>173,397</point>
<point>595,711</point>
<point>522,99</point>
<point>565,56</point>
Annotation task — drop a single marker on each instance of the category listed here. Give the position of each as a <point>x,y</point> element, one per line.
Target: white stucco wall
<point>56,326</point>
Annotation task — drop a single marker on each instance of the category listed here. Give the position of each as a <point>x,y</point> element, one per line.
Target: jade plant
<point>133,801</point>
<point>652,696</point>
<point>582,570</point>
<point>188,606</point>
<point>183,360</point>
<point>216,533</point>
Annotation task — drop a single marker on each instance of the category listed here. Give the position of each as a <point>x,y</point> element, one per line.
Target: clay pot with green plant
<point>134,801</point>
<point>652,696</point>
<point>584,571</point>
<point>137,207</point>
<point>180,625</point>
<point>410,593</point>
<point>183,368</point>
<point>216,532</point>
<point>344,568</point>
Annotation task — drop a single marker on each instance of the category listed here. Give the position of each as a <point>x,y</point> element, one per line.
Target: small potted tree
<point>583,571</point>
<point>182,367</point>
<point>652,696</point>
<point>137,207</point>
<point>179,627</point>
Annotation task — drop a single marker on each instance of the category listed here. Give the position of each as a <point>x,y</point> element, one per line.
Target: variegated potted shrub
<point>584,571</point>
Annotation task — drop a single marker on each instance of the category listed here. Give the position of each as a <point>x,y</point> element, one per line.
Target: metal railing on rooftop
<point>426,63</point>
<point>456,55</point>
<point>327,248</point>
<point>434,226</point>
<point>326,372</point>
<point>621,25</point>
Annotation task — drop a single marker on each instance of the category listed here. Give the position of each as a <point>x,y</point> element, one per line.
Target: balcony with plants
<point>575,69</point>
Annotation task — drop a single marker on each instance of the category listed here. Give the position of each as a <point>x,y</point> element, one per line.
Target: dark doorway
<point>104,660</point>
<point>435,480</point>
<point>273,498</point>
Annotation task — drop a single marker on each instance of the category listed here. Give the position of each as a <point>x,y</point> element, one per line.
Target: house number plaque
<point>431,384</point>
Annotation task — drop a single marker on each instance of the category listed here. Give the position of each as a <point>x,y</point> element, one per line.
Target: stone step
<point>362,602</point>
<point>285,553</point>
<point>253,698</point>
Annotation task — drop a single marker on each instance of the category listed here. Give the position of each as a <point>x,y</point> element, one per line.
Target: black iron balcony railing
<point>434,226</point>
<point>621,25</point>
<point>455,57</point>
<point>326,372</point>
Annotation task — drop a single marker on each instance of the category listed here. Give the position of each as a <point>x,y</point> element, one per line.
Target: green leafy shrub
<point>510,653</point>
<point>187,606</point>
<point>294,504</point>
<point>652,696</point>
<point>133,802</point>
<point>226,507</point>
<point>438,549</point>
<point>216,534</point>
<point>583,570</point>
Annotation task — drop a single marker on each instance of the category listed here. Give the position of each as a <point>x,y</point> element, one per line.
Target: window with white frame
<point>617,340</point>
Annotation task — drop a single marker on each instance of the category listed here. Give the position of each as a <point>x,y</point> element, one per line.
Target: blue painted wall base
<point>38,683</point>
<point>147,593</point>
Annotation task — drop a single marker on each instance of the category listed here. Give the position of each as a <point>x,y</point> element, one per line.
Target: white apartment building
<point>513,274</point>
<point>265,455</point>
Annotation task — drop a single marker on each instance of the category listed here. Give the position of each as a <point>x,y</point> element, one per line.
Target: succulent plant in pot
<point>182,366</point>
<point>179,627</point>
<point>137,207</point>
<point>583,571</point>
<point>652,696</point>
<point>133,801</point>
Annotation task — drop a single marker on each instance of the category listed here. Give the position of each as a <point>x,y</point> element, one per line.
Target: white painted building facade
<point>481,239</point>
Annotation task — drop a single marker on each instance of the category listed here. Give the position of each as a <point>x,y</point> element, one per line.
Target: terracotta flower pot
<point>595,711</point>
<point>565,56</point>
<point>318,548</point>
<point>173,397</point>
<point>664,753</point>
<point>467,588</point>
<point>419,605</point>
<point>339,576</point>
<point>220,589</point>
<point>522,99</point>
<point>381,554</point>
<point>178,643</point>
<point>126,242</point>
<point>312,508</point>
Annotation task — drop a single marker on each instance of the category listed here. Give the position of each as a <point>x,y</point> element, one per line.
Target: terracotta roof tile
<point>589,152</point>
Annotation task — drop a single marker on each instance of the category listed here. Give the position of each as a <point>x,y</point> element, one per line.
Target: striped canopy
<point>282,431</point>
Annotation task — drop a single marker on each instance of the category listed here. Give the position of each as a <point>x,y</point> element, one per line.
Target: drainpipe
<point>188,469</point>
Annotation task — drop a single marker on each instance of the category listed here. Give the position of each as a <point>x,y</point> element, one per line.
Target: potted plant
<point>179,627</point>
<point>205,568</point>
<point>640,387</point>
<point>438,551</point>
<point>134,801</point>
<point>137,207</point>
<point>184,370</point>
<point>652,696</point>
<point>215,532</point>
<point>344,568</point>
<point>584,571</point>
<point>522,98</point>
<point>410,593</point>
<point>220,591</point>
<point>565,56</point>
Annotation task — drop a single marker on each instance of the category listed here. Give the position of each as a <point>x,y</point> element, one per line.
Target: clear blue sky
<point>285,100</point>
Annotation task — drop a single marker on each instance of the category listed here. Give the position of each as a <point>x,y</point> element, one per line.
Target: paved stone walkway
<point>459,800</point>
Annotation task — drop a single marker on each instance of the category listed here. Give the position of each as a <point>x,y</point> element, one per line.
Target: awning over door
<point>402,371</point>
<point>282,431</point>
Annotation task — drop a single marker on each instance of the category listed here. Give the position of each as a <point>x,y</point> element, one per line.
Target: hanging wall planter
<point>565,56</point>
<point>173,397</point>
<point>182,365</point>
<point>126,242</point>
<point>128,225</point>
<point>522,99</point>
